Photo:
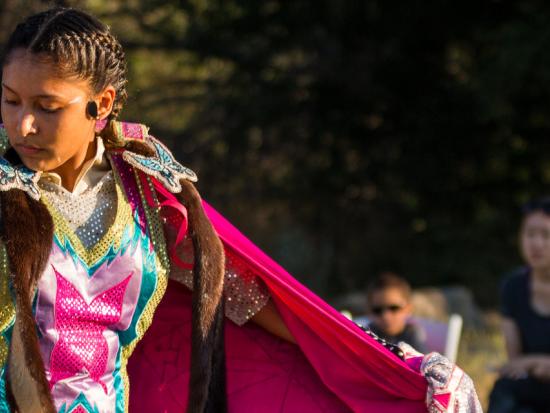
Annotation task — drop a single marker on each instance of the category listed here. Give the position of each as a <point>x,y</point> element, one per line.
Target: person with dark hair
<point>121,290</point>
<point>389,309</point>
<point>524,383</point>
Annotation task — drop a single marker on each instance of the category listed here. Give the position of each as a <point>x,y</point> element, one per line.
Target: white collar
<point>91,173</point>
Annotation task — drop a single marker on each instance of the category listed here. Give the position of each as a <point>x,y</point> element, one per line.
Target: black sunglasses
<point>380,309</point>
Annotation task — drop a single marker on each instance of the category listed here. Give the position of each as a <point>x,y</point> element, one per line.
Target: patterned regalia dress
<point>106,324</point>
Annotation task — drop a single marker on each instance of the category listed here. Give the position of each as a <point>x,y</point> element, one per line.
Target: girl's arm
<point>269,319</point>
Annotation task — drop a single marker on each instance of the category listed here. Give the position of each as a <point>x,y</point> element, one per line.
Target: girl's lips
<point>28,150</point>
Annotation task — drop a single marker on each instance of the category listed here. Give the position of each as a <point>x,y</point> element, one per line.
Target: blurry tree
<point>349,137</point>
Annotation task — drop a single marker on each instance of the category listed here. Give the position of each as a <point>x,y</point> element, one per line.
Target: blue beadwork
<point>19,177</point>
<point>163,166</point>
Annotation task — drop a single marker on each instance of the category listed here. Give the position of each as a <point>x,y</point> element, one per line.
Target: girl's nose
<point>27,125</point>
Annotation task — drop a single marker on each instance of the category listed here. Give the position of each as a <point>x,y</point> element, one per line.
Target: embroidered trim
<point>109,243</point>
<point>162,268</point>
<point>19,177</point>
<point>450,390</point>
<point>163,166</point>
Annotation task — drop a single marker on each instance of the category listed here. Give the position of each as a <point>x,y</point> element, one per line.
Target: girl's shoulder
<point>148,154</point>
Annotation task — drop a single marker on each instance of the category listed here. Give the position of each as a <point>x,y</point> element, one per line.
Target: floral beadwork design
<point>19,177</point>
<point>163,166</point>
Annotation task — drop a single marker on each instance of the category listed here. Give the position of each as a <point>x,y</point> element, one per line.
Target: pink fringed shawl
<point>335,368</point>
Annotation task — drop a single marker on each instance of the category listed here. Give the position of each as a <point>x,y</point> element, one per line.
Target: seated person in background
<point>524,383</point>
<point>389,309</point>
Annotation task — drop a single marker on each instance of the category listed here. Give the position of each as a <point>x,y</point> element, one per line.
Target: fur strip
<point>207,390</point>
<point>207,384</point>
<point>27,232</point>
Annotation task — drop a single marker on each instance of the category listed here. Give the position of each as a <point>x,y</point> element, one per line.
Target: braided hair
<point>78,45</point>
<point>81,46</point>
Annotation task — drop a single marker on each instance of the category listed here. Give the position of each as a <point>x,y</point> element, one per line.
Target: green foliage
<point>349,137</point>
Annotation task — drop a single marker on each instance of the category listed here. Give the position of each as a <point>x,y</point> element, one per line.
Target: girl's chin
<point>34,165</point>
<point>37,164</point>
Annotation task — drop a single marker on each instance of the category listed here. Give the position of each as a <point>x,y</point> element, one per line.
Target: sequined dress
<point>107,272</point>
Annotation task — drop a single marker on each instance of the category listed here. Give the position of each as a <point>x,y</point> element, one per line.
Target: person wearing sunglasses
<point>389,309</point>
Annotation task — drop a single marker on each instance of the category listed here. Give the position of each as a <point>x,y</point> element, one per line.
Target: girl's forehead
<point>34,76</point>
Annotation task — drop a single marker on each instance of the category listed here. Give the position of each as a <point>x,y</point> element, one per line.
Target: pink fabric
<point>74,349</point>
<point>264,373</point>
<point>81,343</point>
<point>362,373</point>
<point>443,399</point>
<point>336,368</point>
<point>177,210</point>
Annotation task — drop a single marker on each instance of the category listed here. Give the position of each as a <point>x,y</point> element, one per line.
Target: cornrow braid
<point>79,45</point>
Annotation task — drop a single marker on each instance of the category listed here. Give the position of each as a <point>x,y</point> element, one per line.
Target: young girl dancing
<point>103,238</point>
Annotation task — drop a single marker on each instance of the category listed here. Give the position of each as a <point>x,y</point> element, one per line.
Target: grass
<point>481,353</point>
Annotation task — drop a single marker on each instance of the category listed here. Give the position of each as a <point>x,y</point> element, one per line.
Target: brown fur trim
<point>207,392</point>
<point>9,397</point>
<point>139,147</point>
<point>27,232</point>
<point>133,145</point>
<point>115,140</point>
<point>207,386</point>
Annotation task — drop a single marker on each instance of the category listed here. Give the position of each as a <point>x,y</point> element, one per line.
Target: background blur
<point>351,137</point>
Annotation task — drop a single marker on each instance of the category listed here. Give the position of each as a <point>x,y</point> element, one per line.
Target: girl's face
<point>45,115</point>
<point>535,240</point>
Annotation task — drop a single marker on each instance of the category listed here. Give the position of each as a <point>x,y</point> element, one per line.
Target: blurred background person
<point>524,383</point>
<point>389,311</point>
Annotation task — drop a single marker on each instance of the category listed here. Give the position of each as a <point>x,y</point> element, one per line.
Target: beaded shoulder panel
<point>163,166</point>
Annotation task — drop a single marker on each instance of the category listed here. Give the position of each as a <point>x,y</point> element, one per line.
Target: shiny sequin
<point>111,229</point>
<point>133,182</point>
<point>89,214</point>
<point>245,294</point>
<point>7,306</point>
<point>81,346</point>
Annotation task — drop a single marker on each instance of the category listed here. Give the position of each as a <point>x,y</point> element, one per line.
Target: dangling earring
<point>91,109</point>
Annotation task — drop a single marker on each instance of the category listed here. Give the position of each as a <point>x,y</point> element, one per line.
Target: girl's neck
<point>70,170</point>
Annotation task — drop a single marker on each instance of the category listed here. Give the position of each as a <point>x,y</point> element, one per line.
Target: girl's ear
<point>105,101</point>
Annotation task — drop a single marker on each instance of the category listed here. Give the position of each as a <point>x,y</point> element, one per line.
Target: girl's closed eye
<point>47,109</point>
<point>10,101</point>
